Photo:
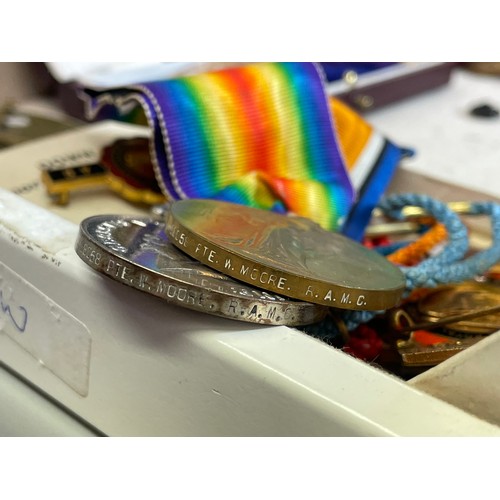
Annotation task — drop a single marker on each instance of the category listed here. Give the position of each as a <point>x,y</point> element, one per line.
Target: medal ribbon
<point>265,135</point>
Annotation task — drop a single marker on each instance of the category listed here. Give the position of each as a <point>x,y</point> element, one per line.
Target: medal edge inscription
<point>280,282</point>
<point>188,296</point>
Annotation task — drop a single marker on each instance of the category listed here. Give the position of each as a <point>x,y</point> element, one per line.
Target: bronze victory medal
<point>292,256</point>
<point>136,251</point>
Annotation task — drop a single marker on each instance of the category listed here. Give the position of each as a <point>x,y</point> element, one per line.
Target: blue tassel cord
<point>449,266</point>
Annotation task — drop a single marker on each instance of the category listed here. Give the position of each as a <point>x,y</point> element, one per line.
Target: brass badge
<point>125,168</point>
<point>464,299</point>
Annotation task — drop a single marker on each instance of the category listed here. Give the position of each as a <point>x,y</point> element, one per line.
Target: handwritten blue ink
<point>21,324</point>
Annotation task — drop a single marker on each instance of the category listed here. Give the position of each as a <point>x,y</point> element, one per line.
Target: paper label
<point>52,335</point>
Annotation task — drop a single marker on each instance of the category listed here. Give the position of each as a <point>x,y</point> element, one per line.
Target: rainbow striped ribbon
<point>264,135</point>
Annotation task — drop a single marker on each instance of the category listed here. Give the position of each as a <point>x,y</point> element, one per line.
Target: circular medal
<point>136,252</point>
<point>453,300</point>
<point>291,256</point>
<point>130,171</point>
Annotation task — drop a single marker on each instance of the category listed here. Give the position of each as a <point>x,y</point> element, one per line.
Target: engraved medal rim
<point>315,312</point>
<point>380,299</point>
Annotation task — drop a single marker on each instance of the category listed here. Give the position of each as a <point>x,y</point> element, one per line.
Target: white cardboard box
<point>129,364</point>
